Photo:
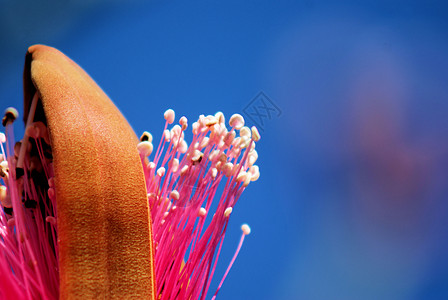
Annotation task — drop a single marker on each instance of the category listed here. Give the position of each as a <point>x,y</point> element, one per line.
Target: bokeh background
<point>352,202</point>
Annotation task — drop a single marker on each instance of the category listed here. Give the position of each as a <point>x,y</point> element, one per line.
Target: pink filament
<point>187,243</point>
<point>187,246</point>
<point>29,268</point>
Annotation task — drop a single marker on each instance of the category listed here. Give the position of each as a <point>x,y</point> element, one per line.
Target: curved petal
<point>104,227</point>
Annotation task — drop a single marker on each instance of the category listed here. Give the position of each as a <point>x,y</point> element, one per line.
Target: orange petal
<point>104,227</point>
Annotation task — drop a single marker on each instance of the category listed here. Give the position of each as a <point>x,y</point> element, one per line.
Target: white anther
<point>195,128</point>
<point>213,172</point>
<point>167,135</point>
<point>245,131</point>
<point>254,172</point>
<point>169,116</point>
<point>255,134</point>
<point>4,164</point>
<point>201,121</point>
<point>220,117</point>
<point>161,171</point>
<point>246,229</point>
<point>183,147</point>
<point>202,212</point>
<point>151,165</point>
<point>2,138</point>
<point>184,170</point>
<point>253,156</point>
<point>176,131</point>
<point>174,195</point>
<point>183,122</point>
<point>236,121</point>
<point>196,155</point>
<point>241,176</point>
<point>210,120</point>
<point>247,180</point>
<point>204,142</point>
<point>174,164</point>
<point>145,148</point>
<point>227,212</point>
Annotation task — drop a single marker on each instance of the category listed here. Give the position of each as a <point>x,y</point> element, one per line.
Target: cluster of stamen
<point>182,183</point>
<point>189,207</point>
<point>28,233</point>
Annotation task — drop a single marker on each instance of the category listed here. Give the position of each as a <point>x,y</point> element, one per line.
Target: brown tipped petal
<point>104,227</point>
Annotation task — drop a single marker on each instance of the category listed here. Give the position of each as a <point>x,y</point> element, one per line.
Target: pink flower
<point>88,211</point>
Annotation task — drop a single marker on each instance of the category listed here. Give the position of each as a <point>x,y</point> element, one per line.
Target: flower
<point>88,210</point>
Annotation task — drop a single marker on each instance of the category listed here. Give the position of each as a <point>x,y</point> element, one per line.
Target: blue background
<point>352,202</point>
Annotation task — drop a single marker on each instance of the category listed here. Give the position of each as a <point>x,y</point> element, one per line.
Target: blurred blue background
<point>352,202</point>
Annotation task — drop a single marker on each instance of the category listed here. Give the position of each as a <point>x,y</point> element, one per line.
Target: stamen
<point>246,231</point>
<point>255,134</point>
<point>145,148</point>
<point>11,114</point>
<point>202,212</point>
<point>236,121</point>
<point>169,116</point>
<point>227,212</point>
<point>188,248</point>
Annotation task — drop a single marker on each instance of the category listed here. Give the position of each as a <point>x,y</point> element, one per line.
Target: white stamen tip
<point>145,148</point>
<point>245,131</point>
<point>246,229</point>
<point>228,211</point>
<point>255,134</point>
<point>184,170</point>
<point>183,122</point>
<point>220,117</point>
<point>241,176</point>
<point>167,135</point>
<point>161,171</point>
<point>174,195</point>
<point>202,212</point>
<point>236,121</point>
<point>2,138</point>
<point>169,116</point>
